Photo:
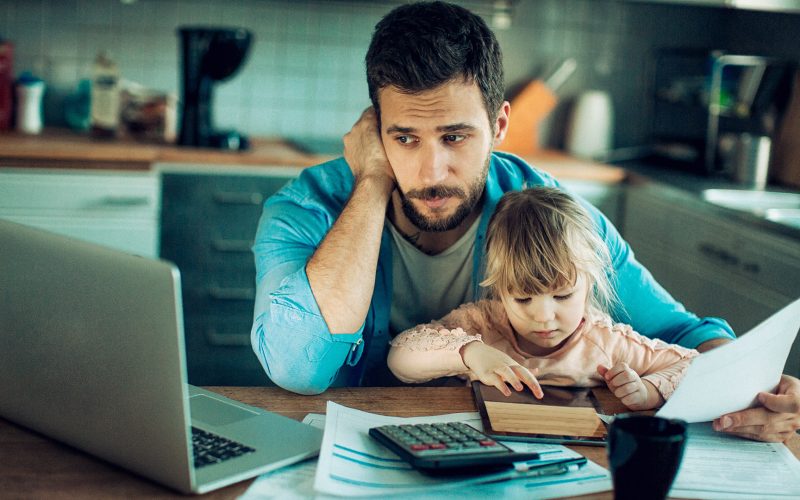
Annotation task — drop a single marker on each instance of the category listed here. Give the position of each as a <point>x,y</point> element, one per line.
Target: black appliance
<point>704,99</point>
<point>209,55</point>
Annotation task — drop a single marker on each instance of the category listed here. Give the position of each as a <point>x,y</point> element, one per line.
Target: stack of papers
<point>720,466</point>
<point>715,466</point>
<point>351,463</point>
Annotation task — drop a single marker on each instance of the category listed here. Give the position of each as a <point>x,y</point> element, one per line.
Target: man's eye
<point>405,139</point>
<point>454,137</point>
<point>563,297</point>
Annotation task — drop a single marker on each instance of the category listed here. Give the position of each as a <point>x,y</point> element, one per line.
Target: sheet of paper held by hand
<point>729,378</point>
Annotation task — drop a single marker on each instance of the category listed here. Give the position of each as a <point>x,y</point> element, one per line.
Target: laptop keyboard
<point>211,448</point>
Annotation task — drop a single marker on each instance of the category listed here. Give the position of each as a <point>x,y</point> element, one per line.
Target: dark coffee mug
<point>644,454</point>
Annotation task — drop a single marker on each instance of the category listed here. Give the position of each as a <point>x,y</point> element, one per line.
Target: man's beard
<point>471,199</point>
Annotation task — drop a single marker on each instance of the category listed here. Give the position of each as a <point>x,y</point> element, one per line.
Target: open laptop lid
<point>73,364</point>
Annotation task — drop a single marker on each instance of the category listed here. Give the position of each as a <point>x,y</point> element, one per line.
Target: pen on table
<point>553,468</point>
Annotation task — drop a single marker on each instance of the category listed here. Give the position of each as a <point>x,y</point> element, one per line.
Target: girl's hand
<point>496,368</point>
<point>626,384</point>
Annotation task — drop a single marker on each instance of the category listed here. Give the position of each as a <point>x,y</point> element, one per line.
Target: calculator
<point>443,448</point>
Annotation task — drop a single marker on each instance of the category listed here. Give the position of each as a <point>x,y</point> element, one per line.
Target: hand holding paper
<point>729,378</point>
<point>776,421</point>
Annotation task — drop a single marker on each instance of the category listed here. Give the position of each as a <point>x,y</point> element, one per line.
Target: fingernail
<point>726,422</point>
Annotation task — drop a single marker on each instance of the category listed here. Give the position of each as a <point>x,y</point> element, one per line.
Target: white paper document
<point>351,463</point>
<point>720,466</point>
<point>728,378</point>
<point>297,481</point>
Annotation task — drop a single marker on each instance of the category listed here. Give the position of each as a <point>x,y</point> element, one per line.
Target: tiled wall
<point>305,74</point>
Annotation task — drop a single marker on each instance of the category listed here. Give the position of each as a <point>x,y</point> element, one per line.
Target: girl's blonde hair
<point>539,240</point>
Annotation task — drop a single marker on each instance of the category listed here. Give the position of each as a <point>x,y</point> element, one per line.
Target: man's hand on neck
<point>364,153</point>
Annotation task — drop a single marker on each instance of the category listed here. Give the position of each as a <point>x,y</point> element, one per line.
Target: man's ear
<point>501,123</point>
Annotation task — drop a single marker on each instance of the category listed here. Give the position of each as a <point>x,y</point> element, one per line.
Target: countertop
<point>62,148</point>
<point>67,149</point>
<point>689,188</point>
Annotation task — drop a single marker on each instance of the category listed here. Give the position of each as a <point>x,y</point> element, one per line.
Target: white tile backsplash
<point>305,72</point>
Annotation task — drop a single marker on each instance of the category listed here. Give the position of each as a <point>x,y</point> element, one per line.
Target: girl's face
<point>544,322</point>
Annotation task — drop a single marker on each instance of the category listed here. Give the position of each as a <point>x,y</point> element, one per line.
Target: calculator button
<point>444,446</point>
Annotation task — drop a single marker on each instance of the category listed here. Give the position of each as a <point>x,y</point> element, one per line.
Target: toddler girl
<point>546,320</point>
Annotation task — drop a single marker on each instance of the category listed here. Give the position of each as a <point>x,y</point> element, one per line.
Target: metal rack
<point>752,69</point>
<point>700,96</point>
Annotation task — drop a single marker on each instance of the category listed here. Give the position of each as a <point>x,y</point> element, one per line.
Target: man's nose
<point>433,164</point>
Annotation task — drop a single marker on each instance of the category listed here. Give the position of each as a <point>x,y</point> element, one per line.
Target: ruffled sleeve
<point>432,350</point>
<point>661,364</point>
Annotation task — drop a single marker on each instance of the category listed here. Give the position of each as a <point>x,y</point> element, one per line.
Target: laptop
<point>92,354</point>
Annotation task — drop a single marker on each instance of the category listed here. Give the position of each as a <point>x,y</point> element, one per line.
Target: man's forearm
<point>342,270</point>
<point>711,344</point>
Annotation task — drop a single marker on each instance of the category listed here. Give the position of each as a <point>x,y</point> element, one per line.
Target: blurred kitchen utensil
<point>104,116</point>
<point>786,156</point>
<point>589,133</point>
<point>6,83</point>
<point>208,55</point>
<point>78,105</point>
<point>536,100</point>
<point>148,114</point>
<point>751,160</point>
<point>30,90</point>
<point>748,86</point>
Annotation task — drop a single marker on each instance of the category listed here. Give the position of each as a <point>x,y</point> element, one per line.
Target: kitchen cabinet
<point>714,265</point>
<point>112,208</point>
<point>767,5</point>
<point>208,223</point>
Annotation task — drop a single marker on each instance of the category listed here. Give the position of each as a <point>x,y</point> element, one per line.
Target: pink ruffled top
<point>431,350</point>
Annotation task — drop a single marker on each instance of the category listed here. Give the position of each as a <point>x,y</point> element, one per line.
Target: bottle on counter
<point>6,83</point>
<point>105,105</point>
<point>30,91</point>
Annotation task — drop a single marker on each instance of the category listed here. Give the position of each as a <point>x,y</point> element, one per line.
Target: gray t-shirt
<point>426,287</point>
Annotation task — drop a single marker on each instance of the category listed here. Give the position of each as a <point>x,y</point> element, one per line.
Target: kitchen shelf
<point>788,6</point>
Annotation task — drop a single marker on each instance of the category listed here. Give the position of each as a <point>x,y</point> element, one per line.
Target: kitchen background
<point>722,252</point>
<point>305,76</point>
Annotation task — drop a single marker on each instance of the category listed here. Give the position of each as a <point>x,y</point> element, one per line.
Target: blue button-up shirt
<point>292,340</point>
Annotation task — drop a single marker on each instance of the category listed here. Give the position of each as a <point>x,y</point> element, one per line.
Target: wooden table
<point>33,466</point>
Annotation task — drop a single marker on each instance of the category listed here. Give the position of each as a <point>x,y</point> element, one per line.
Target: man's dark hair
<point>420,46</point>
